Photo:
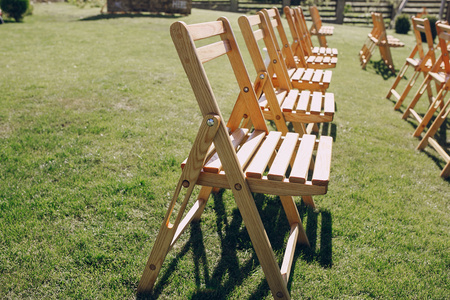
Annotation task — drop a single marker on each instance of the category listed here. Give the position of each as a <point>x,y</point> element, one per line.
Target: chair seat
<point>310,79</point>
<point>318,62</point>
<point>303,107</point>
<point>324,30</point>
<point>265,160</point>
<point>325,51</point>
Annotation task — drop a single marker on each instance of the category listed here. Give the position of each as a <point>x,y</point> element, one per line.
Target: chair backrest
<point>193,58</point>
<point>299,17</point>
<point>317,21</point>
<point>297,36</point>
<point>262,32</point>
<point>274,21</point>
<point>443,33</point>
<point>276,66</point>
<point>379,29</point>
<point>421,27</point>
<point>427,57</point>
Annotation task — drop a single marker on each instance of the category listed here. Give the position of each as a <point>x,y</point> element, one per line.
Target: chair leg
<point>322,41</point>
<point>422,89</point>
<point>430,112</point>
<point>294,217</point>
<point>435,126</point>
<point>409,86</point>
<point>397,79</point>
<point>169,232</point>
<point>446,171</point>
<point>260,241</point>
<point>309,201</point>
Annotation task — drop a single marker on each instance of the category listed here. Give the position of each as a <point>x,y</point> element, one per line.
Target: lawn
<point>96,117</point>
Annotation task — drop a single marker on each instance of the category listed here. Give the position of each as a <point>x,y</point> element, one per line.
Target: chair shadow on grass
<point>381,68</point>
<point>230,271</point>
<point>442,138</point>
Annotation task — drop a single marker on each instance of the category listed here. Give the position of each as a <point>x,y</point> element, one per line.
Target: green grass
<point>96,116</point>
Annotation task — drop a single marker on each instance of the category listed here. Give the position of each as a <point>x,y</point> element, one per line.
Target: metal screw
<point>285,46</point>
<point>185,183</point>
<point>210,122</point>
<point>152,267</point>
<point>246,89</point>
<point>238,187</point>
<point>261,76</point>
<point>274,61</point>
<point>278,117</point>
<point>280,295</point>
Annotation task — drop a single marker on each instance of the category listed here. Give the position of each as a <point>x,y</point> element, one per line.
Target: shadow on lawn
<point>129,15</point>
<point>230,271</point>
<point>381,68</point>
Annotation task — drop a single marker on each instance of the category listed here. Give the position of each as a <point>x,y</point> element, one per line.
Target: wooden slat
<point>259,34</point>
<point>274,23</point>
<point>253,20</point>
<point>328,106</point>
<point>262,157</point>
<point>205,30</point>
<point>247,150</point>
<point>281,162</point>
<point>271,12</point>
<point>321,174</point>
<point>264,186</point>
<point>289,101</point>
<point>311,59</point>
<point>317,76</point>
<point>214,165</point>
<point>300,168</point>
<point>327,76</point>
<point>280,96</point>
<point>298,74</point>
<point>289,253</point>
<point>316,103</point>
<point>308,74</point>
<point>334,60</point>
<point>326,60</point>
<point>318,59</point>
<point>211,51</point>
<point>303,102</point>
<point>291,72</point>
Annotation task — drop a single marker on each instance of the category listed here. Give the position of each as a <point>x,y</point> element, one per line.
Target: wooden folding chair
<point>302,47</point>
<point>302,77</point>
<point>428,138</point>
<point>420,59</point>
<point>232,157</point>
<point>317,29</point>
<point>440,75</point>
<point>378,37</point>
<point>278,98</point>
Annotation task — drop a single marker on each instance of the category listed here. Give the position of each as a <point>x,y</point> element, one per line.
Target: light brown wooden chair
<point>429,139</point>
<point>318,29</point>
<point>302,77</point>
<point>440,75</point>
<point>379,38</point>
<point>227,155</point>
<point>310,105</point>
<point>302,47</point>
<point>421,59</point>
<point>293,63</point>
